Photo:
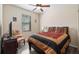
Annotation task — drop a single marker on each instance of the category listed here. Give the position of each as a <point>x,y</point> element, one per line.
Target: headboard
<point>59,29</point>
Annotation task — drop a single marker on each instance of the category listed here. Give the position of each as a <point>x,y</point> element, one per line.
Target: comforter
<point>49,42</point>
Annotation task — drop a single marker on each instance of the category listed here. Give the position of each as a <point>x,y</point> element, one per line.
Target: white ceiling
<point>30,7</point>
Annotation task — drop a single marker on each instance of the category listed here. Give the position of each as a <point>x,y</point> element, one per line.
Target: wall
<point>10,10</point>
<point>78,23</point>
<point>1,19</point>
<point>0,25</point>
<point>62,15</point>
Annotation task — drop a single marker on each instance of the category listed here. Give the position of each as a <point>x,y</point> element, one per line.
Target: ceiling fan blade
<point>44,5</point>
<point>34,9</point>
<point>41,9</point>
<point>40,5</point>
<point>32,4</point>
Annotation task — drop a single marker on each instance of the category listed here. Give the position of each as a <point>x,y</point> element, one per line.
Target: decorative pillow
<point>60,30</point>
<point>51,29</point>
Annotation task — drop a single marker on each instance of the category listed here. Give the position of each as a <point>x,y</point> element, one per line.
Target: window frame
<point>25,24</point>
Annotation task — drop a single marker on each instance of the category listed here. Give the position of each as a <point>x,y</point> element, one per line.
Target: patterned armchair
<point>17,34</point>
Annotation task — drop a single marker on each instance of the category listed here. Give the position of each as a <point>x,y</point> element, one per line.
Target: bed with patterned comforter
<point>49,42</point>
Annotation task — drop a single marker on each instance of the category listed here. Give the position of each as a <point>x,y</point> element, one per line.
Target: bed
<point>55,41</point>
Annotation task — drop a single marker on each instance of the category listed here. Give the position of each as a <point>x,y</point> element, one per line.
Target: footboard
<point>35,48</point>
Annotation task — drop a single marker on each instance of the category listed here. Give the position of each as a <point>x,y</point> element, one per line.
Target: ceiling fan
<point>39,6</point>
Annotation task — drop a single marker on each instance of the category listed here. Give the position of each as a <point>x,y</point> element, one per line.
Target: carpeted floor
<point>24,49</point>
<point>72,50</point>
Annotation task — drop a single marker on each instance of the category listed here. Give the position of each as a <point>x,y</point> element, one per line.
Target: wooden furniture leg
<point>24,42</point>
<point>29,47</point>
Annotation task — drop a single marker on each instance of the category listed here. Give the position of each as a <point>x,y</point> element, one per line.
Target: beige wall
<point>0,25</point>
<point>62,15</point>
<point>10,10</point>
<point>78,23</point>
<point>0,18</point>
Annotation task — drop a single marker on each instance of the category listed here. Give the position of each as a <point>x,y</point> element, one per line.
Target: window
<point>26,23</point>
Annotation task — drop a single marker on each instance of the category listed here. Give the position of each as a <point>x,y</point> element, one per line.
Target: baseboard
<point>73,46</point>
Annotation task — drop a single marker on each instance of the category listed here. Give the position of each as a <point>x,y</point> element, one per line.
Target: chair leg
<point>29,47</point>
<point>24,42</point>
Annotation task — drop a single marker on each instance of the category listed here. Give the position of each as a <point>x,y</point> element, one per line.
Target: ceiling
<point>30,7</point>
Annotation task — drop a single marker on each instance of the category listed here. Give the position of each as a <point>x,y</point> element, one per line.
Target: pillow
<point>60,30</point>
<point>51,29</point>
